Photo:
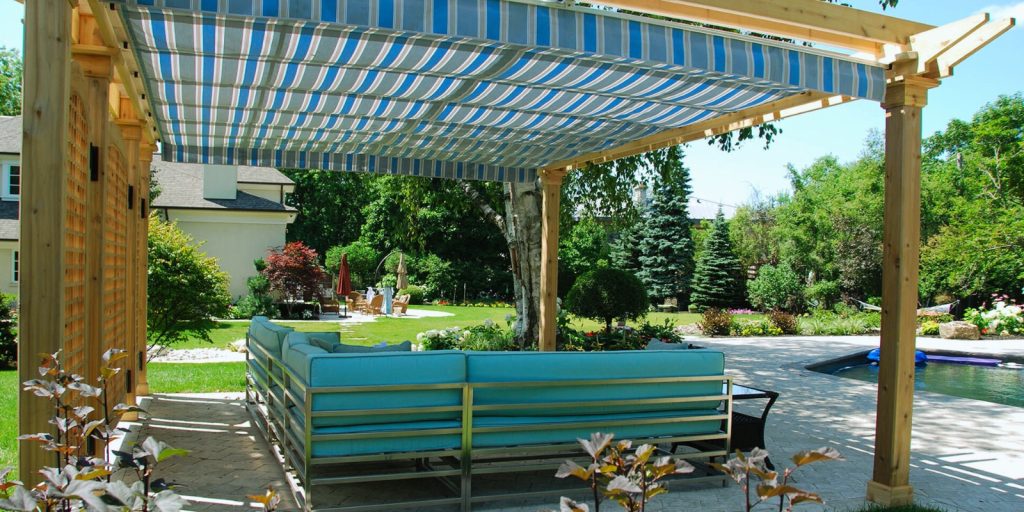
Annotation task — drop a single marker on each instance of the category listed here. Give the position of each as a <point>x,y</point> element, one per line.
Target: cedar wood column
<point>904,99</point>
<point>551,181</point>
<point>146,150</point>
<point>44,157</point>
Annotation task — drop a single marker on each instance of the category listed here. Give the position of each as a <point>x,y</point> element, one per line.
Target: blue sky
<point>731,178</point>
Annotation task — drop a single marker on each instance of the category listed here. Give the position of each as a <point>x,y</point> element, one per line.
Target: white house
<point>237,213</point>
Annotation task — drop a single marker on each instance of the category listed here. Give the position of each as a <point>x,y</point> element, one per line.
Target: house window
<point>11,180</point>
<point>15,268</point>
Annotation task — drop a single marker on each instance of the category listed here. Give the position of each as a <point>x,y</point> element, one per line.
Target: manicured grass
<point>227,332</point>
<point>9,421</point>
<point>394,330</point>
<point>196,377</point>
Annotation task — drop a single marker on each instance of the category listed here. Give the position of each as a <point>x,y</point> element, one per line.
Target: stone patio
<point>967,454</point>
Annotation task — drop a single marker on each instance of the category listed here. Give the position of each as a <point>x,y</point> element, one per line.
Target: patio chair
<point>401,304</point>
<point>375,306</point>
<point>355,301</point>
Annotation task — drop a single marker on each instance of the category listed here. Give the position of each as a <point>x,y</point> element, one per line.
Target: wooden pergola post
<point>551,182</point>
<point>131,131</point>
<point>139,310</point>
<point>905,98</point>
<point>44,155</point>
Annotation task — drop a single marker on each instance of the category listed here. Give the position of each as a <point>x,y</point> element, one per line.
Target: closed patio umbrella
<point>403,274</point>
<point>344,278</point>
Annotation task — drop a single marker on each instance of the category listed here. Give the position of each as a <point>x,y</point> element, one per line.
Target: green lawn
<point>9,420</point>
<point>196,377</point>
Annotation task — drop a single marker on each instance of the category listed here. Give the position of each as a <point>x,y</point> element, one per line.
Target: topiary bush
<point>716,322</point>
<point>776,288</point>
<point>606,294</point>
<point>415,293</point>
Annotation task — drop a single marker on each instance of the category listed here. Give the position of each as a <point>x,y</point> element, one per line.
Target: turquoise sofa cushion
<point>327,345</point>
<point>592,366</point>
<point>410,443</point>
<point>319,369</point>
<point>268,334</point>
<point>342,348</point>
<point>331,338</point>
<point>527,430</point>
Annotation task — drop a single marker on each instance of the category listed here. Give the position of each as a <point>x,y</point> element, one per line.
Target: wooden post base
<point>890,496</point>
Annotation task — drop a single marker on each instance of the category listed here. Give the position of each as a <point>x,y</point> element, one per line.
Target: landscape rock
<point>238,346</point>
<point>959,331</point>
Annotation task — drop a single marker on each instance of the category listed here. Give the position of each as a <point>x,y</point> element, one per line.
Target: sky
<point>730,179</point>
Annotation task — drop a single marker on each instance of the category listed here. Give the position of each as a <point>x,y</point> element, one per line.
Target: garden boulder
<point>959,331</point>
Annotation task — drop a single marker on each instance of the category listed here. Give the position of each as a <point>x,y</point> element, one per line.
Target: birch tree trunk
<point>521,226</point>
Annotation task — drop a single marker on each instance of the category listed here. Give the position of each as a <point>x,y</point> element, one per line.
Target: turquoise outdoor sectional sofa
<point>350,418</point>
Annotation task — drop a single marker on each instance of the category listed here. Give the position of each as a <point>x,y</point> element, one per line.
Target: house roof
<point>181,186</point>
<point>10,134</point>
<point>9,226</point>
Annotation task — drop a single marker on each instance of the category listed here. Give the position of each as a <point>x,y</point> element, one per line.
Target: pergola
<point>500,90</point>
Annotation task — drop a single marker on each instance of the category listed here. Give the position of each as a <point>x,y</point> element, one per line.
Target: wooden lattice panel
<point>115,261</point>
<point>74,237</point>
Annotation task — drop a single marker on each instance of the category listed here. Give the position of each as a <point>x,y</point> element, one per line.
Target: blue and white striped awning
<point>471,89</point>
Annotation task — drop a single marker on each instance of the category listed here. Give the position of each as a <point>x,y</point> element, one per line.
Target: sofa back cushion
<point>344,348</point>
<point>514,367</point>
<point>322,370</point>
<point>268,334</point>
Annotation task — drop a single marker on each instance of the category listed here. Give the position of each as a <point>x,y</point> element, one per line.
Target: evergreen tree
<point>625,252</point>
<point>718,280</point>
<point>666,247</point>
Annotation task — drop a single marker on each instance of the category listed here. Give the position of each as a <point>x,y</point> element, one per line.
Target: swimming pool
<point>1003,384</point>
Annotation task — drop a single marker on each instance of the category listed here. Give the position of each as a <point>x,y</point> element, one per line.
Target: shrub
<point>8,331</point>
<point>776,288</point>
<point>258,302</point>
<point>785,322</point>
<point>828,323</point>
<point>488,336</point>
<point>436,276</point>
<point>755,328</point>
<point>716,322</point>
<point>186,288</point>
<point>606,294</point>
<point>929,328</point>
<point>1003,319</point>
<point>294,270</point>
<point>414,292</point>
<point>822,294</point>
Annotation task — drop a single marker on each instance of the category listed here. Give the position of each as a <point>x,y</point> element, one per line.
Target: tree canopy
<point>11,71</point>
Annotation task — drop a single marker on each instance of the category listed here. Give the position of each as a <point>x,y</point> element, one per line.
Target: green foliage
<point>716,322</point>
<point>755,328</point>
<point>415,293</point>
<point>742,469</point>
<point>845,322</point>
<point>823,294</point>
<point>607,294</point>
<point>718,281</point>
<point>362,262</point>
<point>8,331</point>
<point>785,322</point>
<point>666,248</point>
<point>11,70</point>
<point>435,275</point>
<point>258,302</point>
<point>625,251</point>
<point>776,288</point>
<point>329,205</point>
<point>630,480</point>
<point>752,232</point>
<point>186,288</point>
<point>585,247</point>
<point>928,328</point>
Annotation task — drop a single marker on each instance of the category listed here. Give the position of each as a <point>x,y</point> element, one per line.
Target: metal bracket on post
<point>94,163</point>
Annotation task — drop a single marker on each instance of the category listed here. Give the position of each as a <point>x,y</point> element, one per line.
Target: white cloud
<point>999,12</point>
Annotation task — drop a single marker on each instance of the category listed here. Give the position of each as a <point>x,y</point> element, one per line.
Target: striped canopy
<point>465,89</point>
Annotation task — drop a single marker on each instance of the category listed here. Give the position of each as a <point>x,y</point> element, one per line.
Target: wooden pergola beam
<point>806,20</point>
<point>795,105</point>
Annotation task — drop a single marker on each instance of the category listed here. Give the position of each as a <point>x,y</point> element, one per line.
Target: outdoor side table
<point>747,430</point>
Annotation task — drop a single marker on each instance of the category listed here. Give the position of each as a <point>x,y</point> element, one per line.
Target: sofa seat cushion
<point>600,368</point>
<point>410,443</point>
<point>527,430</point>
